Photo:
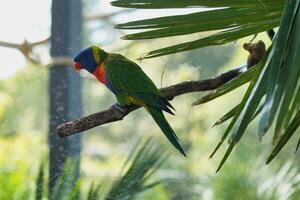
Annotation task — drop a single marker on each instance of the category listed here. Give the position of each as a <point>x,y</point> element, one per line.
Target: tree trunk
<point>64,86</point>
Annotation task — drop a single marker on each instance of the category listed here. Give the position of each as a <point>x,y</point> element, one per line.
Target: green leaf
<point>64,185</point>
<point>229,150</point>
<point>219,38</point>
<point>253,101</point>
<point>93,193</point>
<point>144,164</point>
<point>229,86</point>
<point>200,22</point>
<point>158,4</point>
<point>235,15</point>
<point>241,111</point>
<point>132,153</point>
<point>75,194</point>
<point>281,47</point>
<point>40,183</point>
<point>232,19</point>
<point>231,113</point>
<point>292,72</point>
<point>233,121</point>
<point>298,145</point>
<point>295,123</point>
<point>227,116</point>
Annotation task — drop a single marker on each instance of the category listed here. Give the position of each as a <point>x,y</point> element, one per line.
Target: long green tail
<point>163,124</point>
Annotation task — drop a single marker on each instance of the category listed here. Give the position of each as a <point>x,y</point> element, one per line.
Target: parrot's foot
<point>119,107</point>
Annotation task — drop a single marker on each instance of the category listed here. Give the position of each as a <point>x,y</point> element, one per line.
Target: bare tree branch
<point>26,48</point>
<point>57,61</point>
<point>44,41</point>
<point>9,45</point>
<point>105,17</point>
<point>24,45</point>
<point>113,114</point>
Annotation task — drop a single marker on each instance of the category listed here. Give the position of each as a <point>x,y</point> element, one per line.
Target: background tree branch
<point>26,48</point>
<point>105,16</point>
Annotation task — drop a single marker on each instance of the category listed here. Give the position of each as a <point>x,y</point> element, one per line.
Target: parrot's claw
<point>119,107</point>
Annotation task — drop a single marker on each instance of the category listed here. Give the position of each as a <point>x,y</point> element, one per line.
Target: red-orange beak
<point>77,66</point>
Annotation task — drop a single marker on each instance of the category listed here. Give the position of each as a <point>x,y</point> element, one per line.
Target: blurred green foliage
<point>24,102</point>
<point>142,164</point>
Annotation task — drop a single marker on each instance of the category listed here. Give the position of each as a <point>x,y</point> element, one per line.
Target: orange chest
<point>100,74</point>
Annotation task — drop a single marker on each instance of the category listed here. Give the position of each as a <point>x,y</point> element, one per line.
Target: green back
<point>125,75</point>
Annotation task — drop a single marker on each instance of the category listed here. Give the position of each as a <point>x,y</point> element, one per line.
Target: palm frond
<point>231,85</point>
<point>75,194</point>
<point>274,89</point>
<point>227,115</point>
<point>290,130</point>
<point>64,186</point>
<point>145,162</point>
<point>231,113</point>
<point>157,4</point>
<point>93,193</point>
<point>285,96</point>
<point>230,20</point>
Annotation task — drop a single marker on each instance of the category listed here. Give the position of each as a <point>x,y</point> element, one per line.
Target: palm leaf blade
<point>277,69</point>
<point>295,123</point>
<point>145,162</point>
<point>216,39</point>
<point>157,4</point>
<point>230,86</point>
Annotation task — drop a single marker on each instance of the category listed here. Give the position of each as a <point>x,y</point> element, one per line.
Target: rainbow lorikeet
<point>129,83</point>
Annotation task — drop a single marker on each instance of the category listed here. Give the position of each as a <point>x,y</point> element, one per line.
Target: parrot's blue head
<point>89,58</point>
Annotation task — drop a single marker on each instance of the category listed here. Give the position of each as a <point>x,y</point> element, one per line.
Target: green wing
<point>127,77</point>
